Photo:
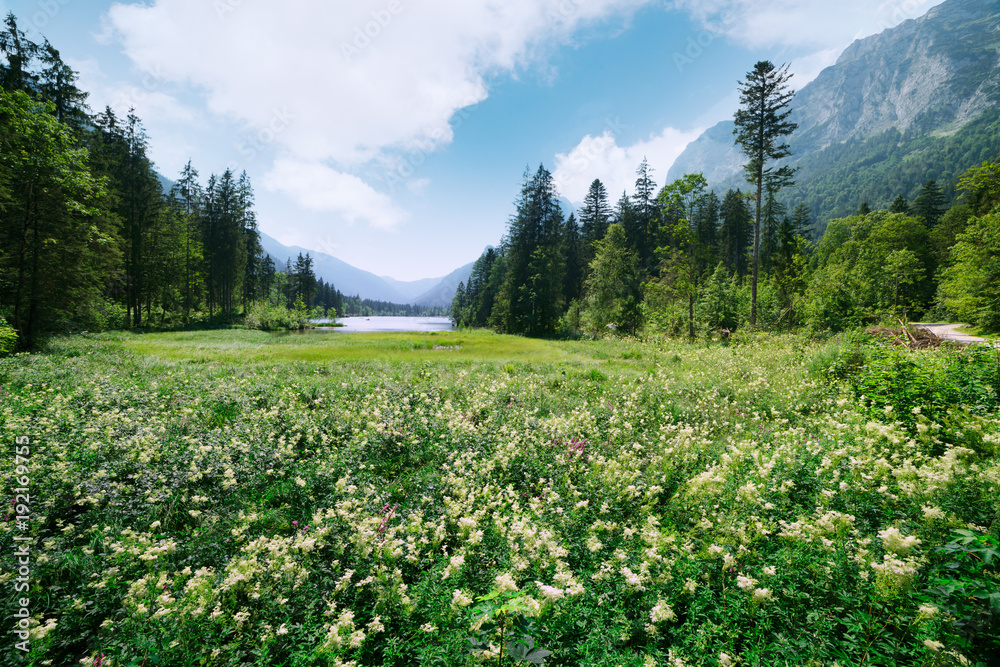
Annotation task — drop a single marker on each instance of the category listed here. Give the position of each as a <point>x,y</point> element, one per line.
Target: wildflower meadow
<point>236,497</point>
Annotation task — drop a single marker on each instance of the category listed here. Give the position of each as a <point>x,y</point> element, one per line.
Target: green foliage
<point>966,588</point>
<point>919,390</point>
<point>613,286</point>
<point>970,286</point>
<point>868,266</point>
<point>505,618</point>
<point>8,339</point>
<point>267,317</point>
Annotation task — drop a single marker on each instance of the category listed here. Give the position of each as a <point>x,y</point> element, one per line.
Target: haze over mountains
<point>352,281</point>
<point>915,102</point>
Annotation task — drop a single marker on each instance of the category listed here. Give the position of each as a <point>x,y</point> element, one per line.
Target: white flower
<point>933,645</point>
<point>282,630</point>
<point>761,594</point>
<point>745,582</point>
<point>894,541</point>
<point>662,612</point>
<point>926,611</point>
<point>725,660</point>
<point>505,582</point>
<point>460,599</point>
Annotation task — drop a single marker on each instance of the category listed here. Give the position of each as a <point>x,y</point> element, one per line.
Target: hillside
<point>912,103</point>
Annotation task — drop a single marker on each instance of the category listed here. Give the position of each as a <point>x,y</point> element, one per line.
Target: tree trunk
<point>756,253</point>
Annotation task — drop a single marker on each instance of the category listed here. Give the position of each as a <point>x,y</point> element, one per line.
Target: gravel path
<point>948,332</point>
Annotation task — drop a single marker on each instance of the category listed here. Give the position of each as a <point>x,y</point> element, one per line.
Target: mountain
<point>353,281</point>
<point>441,294</point>
<point>411,290</point>
<point>912,103</point>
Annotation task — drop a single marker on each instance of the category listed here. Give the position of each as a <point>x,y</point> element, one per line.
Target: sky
<point>394,134</point>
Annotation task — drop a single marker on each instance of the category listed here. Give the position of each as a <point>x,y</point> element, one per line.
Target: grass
<point>235,497</point>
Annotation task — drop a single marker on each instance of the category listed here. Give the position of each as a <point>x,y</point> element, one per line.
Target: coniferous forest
<point>91,240</point>
<point>682,259</point>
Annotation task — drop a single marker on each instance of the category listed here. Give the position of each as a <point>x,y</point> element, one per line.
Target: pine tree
<point>186,197</point>
<point>530,299</point>
<point>595,216</point>
<point>802,221</point>
<point>899,205</point>
<point>613,288</point>
<point>735,233</point>
<point>305,278</point>
<point>929,204</point>
<point>645,227</point>
<point>58,85</point>
<point>572,254</point>
<point>18,53</point>
<point>59,243</point>
<point>760,125</point>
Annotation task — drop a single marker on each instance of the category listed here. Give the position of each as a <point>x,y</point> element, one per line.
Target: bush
<point>8,339</point>
<point>266,317</point>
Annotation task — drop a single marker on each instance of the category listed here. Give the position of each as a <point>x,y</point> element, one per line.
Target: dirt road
<point>948,332</point>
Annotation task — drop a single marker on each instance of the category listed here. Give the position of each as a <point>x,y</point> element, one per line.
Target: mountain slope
<point>352,281</point>
<point>925,81</point>
<point>441,294</point>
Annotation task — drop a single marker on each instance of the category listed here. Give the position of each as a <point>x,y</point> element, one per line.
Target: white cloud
<point>165,117</point>
<point>601,157</point>
<point>360,80</point>
<point>318,187</point>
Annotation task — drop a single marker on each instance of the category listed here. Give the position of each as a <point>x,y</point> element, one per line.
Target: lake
<point>374,324</point>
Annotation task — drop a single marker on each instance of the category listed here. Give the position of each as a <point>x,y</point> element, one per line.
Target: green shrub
<point>266,317</point>
<point>8,339</point>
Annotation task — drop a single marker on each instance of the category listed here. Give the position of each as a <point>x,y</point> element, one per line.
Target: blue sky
<point>393,133</point>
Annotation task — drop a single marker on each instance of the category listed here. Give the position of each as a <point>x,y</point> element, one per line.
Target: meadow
<point>236,497</point>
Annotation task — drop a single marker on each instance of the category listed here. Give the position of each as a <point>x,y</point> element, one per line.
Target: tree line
<point>682,259</point>
<point>90,237</point>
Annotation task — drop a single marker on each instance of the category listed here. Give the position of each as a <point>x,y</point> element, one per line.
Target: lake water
<point>374,324</point>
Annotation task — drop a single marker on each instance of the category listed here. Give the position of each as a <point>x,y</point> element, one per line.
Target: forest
<point>683,259</point>
<point>91,240</point>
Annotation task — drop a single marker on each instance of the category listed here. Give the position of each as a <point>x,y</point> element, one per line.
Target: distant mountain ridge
<point>352,281</point>
<point>924,83</point>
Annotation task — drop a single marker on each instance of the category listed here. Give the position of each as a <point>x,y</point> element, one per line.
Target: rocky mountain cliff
<point>929,76</point>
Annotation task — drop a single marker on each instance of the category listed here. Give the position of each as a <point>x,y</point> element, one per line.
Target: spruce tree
<point>595,216</point>
<point>929,204</point>
<point>735,233</point>
<point>761,123</point>
<point>899,205</point>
